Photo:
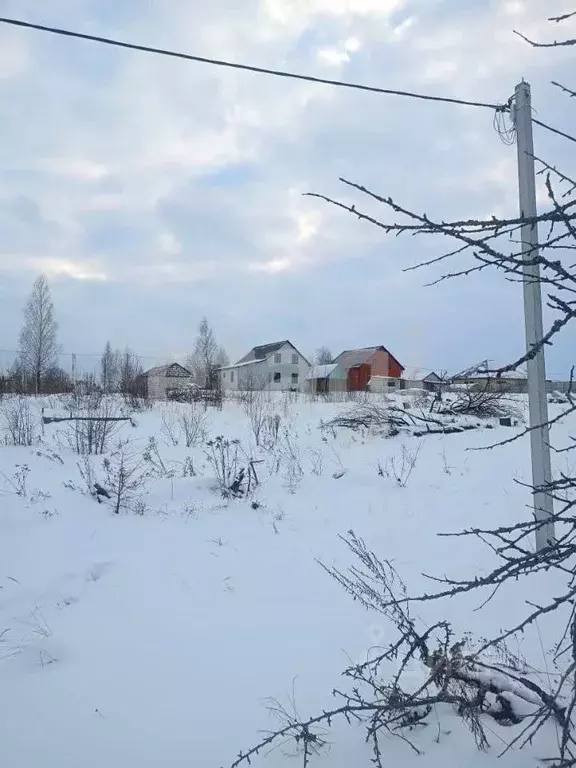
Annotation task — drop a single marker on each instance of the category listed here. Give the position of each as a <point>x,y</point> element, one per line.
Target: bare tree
<point>323,356</point>
<point>110,368</point>
<point>204,360</point>
<point>38,337</point>
<point>222,358</point>
<point>130,371</point>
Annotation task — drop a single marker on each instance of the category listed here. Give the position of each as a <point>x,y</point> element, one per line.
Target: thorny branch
<point>427,668</point>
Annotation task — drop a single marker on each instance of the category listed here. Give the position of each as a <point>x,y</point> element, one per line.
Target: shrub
<point>291,461</point>
<point>235,472</point>
<point>400,468</point>
<point>124,479</point>
<point>93,435</point>
<point>171,426</point>
<point>19,422</point>
<point>193,424</point>
<point>256,407</point>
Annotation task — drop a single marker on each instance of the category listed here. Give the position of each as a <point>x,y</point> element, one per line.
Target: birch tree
<point>110,368</point>
<point>207,356</point>
<point>38,337</point>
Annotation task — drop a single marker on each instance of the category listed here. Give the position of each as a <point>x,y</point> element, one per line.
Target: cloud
<point>154,191</point>
<point>65,268</point>
<point>75,168</point>
<point>339,54</point>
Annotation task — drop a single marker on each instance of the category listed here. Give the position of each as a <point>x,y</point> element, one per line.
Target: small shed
<point>433,382</point>
<point>322,379</point>
<point>160,380</point>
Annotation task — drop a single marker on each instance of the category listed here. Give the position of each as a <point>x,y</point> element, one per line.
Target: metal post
<point>538,404</point>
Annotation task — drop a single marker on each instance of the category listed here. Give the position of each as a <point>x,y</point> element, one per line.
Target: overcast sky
<point>153,191</point>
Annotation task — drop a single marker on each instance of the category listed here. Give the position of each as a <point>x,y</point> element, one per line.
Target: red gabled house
<point>360,365</point>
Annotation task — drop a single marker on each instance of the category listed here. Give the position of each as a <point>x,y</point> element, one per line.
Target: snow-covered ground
<point>157,636</point>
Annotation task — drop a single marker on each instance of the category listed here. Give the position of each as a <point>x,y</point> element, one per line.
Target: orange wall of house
<point>384,365</point>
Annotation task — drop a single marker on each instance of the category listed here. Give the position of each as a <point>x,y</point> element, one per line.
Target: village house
<point>277,366</point>
<point>360,365</point>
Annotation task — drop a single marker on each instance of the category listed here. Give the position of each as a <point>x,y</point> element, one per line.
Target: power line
<point>246,67</point>
<point>82,354</point>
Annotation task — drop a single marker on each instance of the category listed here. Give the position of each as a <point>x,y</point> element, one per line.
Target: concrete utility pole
<point>538,404</point>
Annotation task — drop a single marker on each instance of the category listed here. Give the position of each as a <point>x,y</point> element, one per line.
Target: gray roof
<point>351,358</point>
<point>162,370</point>
<point>263,351</point>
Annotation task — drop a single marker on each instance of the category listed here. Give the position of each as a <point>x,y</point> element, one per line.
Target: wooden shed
<point>160,380</point>
<point>323,379</point>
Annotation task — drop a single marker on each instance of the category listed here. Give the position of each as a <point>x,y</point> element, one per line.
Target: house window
<point>277,377</point>
<point>277,357</point>
<point>294,378</point>
<point>224,374</point>
<point>294,359</point>
<point>231,375</point>
<point>391,383</point>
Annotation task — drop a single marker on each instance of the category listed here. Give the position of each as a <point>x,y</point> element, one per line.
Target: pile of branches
<point>482,401</point>
<point>391,420</point>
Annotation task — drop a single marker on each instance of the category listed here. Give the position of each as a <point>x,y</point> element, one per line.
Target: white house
<point>277,366</point>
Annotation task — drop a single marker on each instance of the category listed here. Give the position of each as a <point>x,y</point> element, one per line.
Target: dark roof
<point>351,358</point>
<point>162,370</point>
<point>264,351</point>
<point>261,352</point>
<point>432,377</point>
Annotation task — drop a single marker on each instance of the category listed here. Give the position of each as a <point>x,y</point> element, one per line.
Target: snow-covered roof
<point>414,373</point>
<point>242,365</point>
<point>321,371</point>
<point>519,373</point>
<point>485,370</point>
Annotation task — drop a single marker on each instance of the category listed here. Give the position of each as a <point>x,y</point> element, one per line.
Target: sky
<point>153,192</point>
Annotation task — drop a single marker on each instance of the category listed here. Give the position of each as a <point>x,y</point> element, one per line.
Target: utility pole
<point>538,404</point>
